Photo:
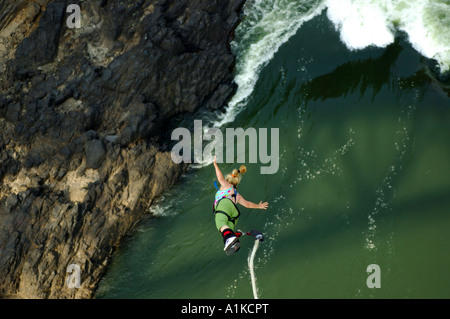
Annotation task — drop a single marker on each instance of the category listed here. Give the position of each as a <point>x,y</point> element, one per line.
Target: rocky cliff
<point>84,122</point>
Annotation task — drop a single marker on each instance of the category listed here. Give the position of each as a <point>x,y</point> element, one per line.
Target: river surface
<point>364,164</point>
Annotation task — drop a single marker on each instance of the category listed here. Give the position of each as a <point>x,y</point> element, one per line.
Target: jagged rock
<point>41,46</point>
<point>95,153</point>
<point>84,115</point>
<point>12,113</point>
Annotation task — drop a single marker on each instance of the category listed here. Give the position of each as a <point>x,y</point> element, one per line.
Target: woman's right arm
<point>219,175</point>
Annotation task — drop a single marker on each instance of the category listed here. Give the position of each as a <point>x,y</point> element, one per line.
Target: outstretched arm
<point>219,175</point>
<point>241,200</point>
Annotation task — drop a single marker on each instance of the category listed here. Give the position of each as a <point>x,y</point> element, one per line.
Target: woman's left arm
<point>247,204</point>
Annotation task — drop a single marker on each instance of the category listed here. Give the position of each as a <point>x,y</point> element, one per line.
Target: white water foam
<point>364,23</point>
<point>266,27</point>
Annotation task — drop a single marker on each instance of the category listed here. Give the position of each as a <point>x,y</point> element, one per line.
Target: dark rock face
<point>95,153</point>
<point>83,115</point>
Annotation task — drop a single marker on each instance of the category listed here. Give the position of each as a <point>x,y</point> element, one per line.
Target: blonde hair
<point>235,177</point>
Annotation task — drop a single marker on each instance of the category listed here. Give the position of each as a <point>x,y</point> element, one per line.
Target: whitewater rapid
<point>268,24</point>
<point>363,23</point>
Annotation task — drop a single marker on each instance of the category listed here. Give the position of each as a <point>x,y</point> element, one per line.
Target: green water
<point>363,179</point>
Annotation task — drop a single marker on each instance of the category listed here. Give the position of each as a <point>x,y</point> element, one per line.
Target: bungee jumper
<point>226,212</point>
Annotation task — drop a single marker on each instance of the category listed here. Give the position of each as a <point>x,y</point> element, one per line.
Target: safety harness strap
<point>231,219</point>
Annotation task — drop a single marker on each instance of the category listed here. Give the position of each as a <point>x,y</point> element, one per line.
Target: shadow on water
<point>358,76</point>
<point>354,75</point>
<point>350,78</point>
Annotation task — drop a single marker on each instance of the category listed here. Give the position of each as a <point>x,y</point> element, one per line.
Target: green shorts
<point>228,207</point>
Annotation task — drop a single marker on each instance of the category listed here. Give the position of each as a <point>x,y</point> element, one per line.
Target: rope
<point>250,260</point>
